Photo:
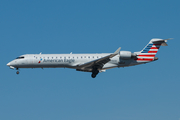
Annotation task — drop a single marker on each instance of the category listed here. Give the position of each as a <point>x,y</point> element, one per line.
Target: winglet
<point>117,51</point>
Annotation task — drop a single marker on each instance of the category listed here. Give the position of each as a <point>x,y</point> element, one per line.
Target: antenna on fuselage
<point>71,53</point>
<point>40,53</point>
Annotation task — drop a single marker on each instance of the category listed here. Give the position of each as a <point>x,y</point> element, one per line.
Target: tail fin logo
<point>149,52</point>
<point>151,48</point>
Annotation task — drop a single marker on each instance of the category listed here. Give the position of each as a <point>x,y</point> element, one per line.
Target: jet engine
<point>127,55</point>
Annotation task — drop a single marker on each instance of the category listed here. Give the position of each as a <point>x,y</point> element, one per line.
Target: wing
<point>98,63</point>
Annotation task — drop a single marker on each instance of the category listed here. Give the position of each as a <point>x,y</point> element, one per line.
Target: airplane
<point>94,63</point>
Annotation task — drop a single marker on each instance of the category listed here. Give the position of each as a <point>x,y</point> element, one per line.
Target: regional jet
<point>93,63</point>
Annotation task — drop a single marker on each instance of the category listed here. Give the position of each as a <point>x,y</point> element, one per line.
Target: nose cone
<point>8,64</point>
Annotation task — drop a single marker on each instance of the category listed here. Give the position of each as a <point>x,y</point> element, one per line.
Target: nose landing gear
<point>17,72</point>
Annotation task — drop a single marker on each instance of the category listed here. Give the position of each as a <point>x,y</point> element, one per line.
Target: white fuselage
<point>94,63</point>
<point>66,61</point>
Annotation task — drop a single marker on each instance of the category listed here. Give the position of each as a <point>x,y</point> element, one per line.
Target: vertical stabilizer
<point>148,53</point>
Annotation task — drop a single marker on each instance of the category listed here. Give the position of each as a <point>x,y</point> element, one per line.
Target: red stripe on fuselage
<point>144,59</point>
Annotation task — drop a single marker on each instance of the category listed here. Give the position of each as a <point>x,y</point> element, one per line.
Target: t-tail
<point>148,53</point>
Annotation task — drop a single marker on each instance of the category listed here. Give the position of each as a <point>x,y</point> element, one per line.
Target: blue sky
<point>144,92</point>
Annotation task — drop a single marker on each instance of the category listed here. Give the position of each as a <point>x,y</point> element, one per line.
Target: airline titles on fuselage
<point>59,60</point>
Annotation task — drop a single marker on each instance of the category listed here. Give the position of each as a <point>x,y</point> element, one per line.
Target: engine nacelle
<point>127,55</point>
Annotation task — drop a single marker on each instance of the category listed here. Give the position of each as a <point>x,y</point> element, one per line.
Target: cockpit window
<point>21,57</point>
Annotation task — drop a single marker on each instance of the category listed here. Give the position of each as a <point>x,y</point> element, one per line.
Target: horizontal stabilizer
<point>160,41</point>
<point>164,44</point>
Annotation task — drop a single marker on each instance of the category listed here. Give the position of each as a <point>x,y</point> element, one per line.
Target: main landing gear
<point>94,72</point>
<point>17,72</point>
